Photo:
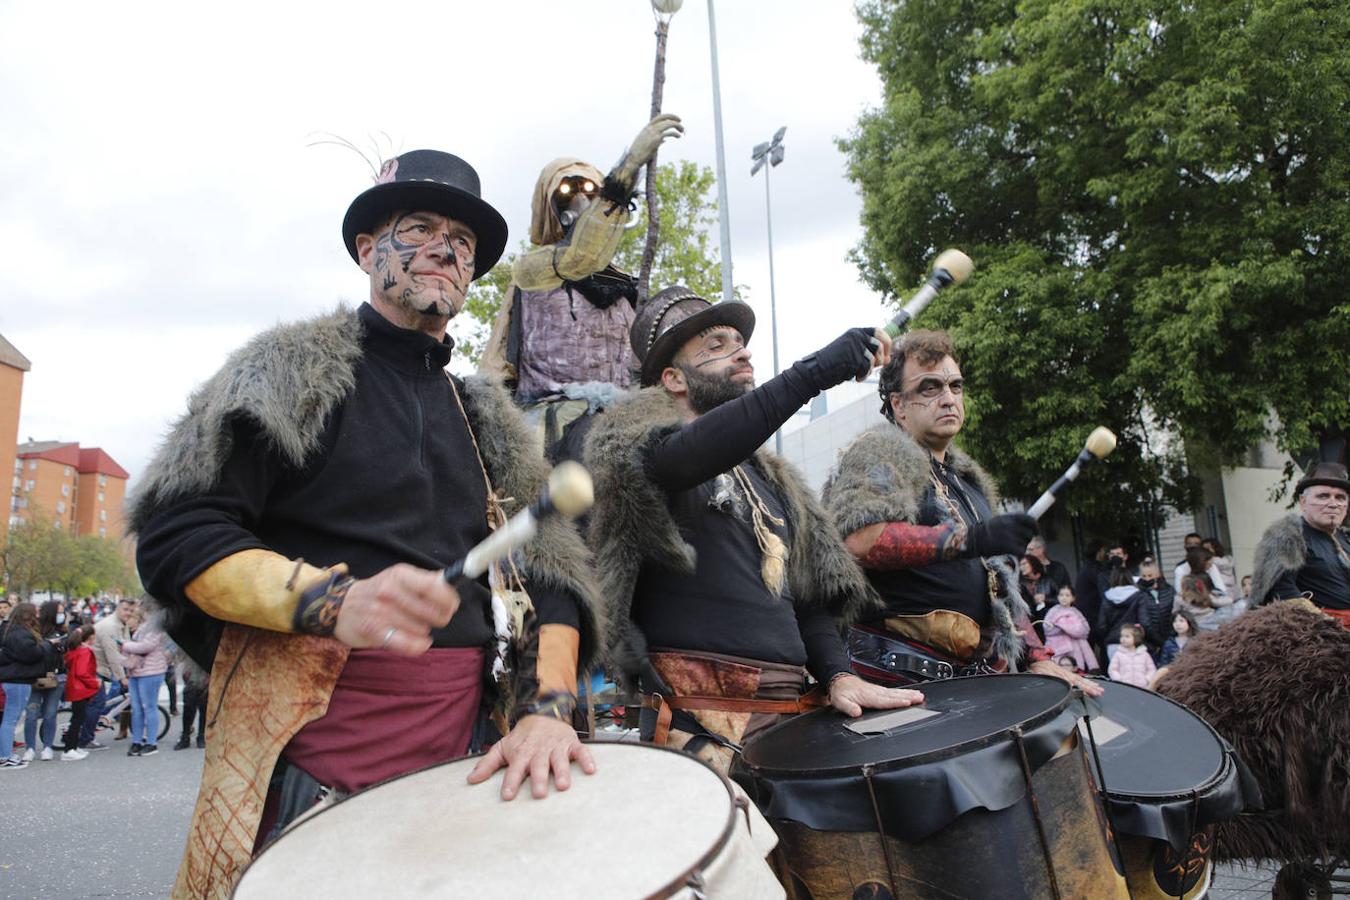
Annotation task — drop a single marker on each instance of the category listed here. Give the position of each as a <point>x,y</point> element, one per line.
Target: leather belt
<point>905,660</point>
<point>666,706</point>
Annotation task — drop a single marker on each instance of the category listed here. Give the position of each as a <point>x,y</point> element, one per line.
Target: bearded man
<point>723,579</point>
<point>561,337</point>
<point>917,514</point>
<point>294,522</point>
<point>1307,554</point>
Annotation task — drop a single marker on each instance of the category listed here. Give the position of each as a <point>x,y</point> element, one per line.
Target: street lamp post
<point>771,153</point>
<point>723,209</point>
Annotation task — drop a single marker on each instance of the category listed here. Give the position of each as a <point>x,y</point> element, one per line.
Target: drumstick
<point>1101,442</point>
<point>951,267</point>
<point>569,493</point>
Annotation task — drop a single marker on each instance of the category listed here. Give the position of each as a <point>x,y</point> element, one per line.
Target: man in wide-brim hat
<point>1307,554</point>
<point>295,520</point>
<point>722,577</point>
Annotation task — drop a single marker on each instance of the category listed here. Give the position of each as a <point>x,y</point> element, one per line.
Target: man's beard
<point>707,392</point>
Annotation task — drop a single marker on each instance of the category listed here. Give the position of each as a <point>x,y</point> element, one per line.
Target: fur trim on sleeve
<point>287,379</point>
<point>556,557</point>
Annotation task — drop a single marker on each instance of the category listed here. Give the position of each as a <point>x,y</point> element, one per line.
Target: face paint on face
<point>423,264</point>
<point>931,402</point>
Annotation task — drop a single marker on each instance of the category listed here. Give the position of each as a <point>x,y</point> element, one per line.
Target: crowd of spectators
<point>100,659</point>
<point>1126,620</point>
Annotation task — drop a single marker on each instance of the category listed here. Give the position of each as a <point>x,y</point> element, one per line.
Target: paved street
<point>106,826</point>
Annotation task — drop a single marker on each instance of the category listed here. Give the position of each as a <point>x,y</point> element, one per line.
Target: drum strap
<point>665,707</point>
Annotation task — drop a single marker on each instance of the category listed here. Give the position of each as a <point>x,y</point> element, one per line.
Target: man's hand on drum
<point>396,610</point>
<point>851,695</point>
<point>537,746</point>
<point>1050,667</point>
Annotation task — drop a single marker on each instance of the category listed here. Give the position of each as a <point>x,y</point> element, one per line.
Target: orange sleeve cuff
<point>255,587</point>
<point>559,650</point>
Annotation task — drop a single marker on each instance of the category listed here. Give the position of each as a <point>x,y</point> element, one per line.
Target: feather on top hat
<point>673,316</point>
<point>429,181</point>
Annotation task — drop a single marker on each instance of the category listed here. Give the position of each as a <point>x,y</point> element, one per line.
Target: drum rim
<point>1220,777</point>
<point>668,890</point>
<point>933,756</point>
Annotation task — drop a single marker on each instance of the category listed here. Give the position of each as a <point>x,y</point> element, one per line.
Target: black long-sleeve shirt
<point>395,480</point>
<point>725,606</point>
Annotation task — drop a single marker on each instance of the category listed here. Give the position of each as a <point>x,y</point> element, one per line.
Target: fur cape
<point>882,477</point>
<point>1275,682</point>
<point>631,524</point>
<point>1281,549</point>
<point>289,380</point>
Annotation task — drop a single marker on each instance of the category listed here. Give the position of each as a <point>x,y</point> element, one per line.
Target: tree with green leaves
<point>687,253</point>
<point>38,556</point>
<point>1155,196</point>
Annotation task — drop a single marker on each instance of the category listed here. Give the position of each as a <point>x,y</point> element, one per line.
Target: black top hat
<point>429,181</point>
<point>1332,474</point>
<point>673,316</point>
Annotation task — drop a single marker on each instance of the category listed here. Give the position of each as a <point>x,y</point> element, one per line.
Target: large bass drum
<point>1168,779</point>
<point>982,792</point>
<point>649,823</point>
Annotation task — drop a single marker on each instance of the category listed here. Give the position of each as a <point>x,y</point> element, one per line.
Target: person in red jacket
<point>81,685</point>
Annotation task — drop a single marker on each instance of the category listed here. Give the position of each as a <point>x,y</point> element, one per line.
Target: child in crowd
<point>1066,632</point>
<point>1132,664</point>
<point>1184,628</point>
<point>81,685</point>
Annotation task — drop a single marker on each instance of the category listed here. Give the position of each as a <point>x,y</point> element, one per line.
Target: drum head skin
<point>430,834</point>
<point>1167,773</point>
<point>817,770</point>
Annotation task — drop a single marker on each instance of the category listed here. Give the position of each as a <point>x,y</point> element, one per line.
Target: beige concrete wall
<point>1250,511</point>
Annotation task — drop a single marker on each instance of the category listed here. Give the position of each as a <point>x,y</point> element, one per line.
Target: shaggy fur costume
<point>631,524</point>
<point>1275,682</point>
<point>289,380</point>
<point>882,477</point>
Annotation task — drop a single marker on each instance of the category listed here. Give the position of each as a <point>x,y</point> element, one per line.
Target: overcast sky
<point>159,203</point>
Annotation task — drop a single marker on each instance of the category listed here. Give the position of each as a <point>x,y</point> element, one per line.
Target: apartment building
<point>80,489</point>
<point>13,365</point>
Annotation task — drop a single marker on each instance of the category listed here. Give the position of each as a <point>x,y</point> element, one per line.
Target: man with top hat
<point>723,581</point>
<point>918,514</point>
<point>293,524</point>
<point>560,339</point>
<point>1307,554</point>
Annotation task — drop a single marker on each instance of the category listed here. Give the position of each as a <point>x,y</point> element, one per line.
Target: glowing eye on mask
<point>588,187</point>
<point>565,188</point>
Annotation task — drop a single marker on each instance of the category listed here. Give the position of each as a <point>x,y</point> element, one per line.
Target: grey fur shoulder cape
<point>882,477</point>
<point>1281,549</point>
<point>631,523</point>
<point>291,378</point>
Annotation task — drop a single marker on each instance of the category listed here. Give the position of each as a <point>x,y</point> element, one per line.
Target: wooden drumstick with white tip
<point>569,493</point>
<point>951,267</point>
<point>1101,442</point>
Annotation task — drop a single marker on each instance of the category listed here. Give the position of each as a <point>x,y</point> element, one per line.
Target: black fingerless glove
<point>1001,535</point>
<point>846,357</point>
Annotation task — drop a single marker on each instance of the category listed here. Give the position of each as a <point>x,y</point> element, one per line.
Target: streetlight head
<point>776,154</point>
<point>760,150</point>
<point>759,164</point>
<point>778,135</point>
